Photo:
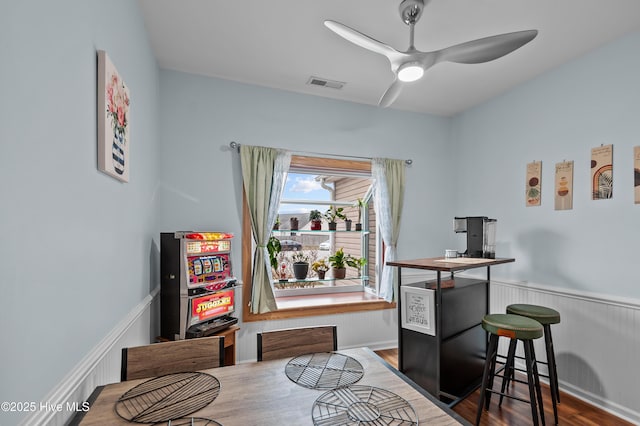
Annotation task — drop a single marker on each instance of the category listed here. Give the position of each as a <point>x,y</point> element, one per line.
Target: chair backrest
<point>177,356</point>
<point>296,341</point>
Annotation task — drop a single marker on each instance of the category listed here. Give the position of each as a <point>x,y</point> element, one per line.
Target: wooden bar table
<point>441,344</point>
<point>260,393</point>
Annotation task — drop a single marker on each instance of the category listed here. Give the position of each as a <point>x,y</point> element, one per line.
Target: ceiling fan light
<point>410,72</point>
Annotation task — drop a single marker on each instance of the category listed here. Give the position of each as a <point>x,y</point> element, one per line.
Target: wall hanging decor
<point>636,174</point>
<point>602,172</point>
<point>533,184</point>
<point>113,120</point>
<point>564,186</point>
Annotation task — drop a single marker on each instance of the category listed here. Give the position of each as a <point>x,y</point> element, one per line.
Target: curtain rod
<point>235,145</point>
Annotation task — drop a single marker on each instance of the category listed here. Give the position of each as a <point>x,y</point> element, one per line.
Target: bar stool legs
<point>551,361</point>
<point>545,316</point>
<point>553,375</point>
<point>517,328</point>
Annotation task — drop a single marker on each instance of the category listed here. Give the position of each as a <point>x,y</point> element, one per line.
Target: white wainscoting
<point>376,329</point>
<point>596,343</point>
<point>101,365</point>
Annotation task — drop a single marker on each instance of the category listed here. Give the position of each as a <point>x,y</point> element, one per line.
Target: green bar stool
<point>546,317</point>
<point>514,327</point>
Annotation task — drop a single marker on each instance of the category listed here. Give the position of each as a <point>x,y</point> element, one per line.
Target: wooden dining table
<point>260,393</point>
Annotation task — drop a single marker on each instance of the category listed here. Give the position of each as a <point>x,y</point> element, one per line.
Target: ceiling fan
<point>411,64</point>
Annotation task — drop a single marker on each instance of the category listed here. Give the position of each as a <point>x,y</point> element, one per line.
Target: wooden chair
<point>172,357</point>
<point>296,341</point>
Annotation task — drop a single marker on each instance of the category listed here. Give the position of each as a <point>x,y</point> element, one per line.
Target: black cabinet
<point>449,363</point>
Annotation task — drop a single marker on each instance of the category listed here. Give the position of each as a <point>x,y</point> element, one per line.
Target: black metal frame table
<point>448,363</point>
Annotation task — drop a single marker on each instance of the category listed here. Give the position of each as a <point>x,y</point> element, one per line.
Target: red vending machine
<point>197,290</point>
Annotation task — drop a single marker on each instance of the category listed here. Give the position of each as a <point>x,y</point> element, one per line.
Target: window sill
<point>320,304</point>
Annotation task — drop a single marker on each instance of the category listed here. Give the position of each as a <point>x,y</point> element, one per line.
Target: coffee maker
<point>481,235</point>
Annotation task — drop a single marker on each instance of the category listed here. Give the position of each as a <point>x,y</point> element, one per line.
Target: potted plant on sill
<point>338,264</point>
<point>293,223</point>
<point>332,214</point>
<point>316,220</point>
<point>276,225</point>
<point>347,223</point>
<point>360,204</point>
<point>320,267</point>
<point>300,265</point>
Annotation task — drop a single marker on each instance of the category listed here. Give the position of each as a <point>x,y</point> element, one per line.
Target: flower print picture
<point>113,120</point>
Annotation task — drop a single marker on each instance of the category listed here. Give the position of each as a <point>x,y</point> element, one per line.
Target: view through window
<point>312,258</point>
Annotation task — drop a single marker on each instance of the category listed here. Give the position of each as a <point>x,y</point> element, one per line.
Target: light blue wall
<point>201,179</point>
<point>559,116</point>
<point>76,246</point>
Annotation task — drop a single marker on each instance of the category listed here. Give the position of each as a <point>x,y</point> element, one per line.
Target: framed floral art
<point>113,120</point>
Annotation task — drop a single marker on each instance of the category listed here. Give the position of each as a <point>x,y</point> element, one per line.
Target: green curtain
<point>264,172</point>
<point>389,178</point>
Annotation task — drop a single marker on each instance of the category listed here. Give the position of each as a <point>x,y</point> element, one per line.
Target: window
<point>300,238</point>
<point>316,184</point>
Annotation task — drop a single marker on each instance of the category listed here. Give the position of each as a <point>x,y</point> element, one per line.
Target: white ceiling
<point>281,43</point>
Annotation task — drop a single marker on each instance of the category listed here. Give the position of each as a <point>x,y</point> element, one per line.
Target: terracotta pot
<point>339,273</point>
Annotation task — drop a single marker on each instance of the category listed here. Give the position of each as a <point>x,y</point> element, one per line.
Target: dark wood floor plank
<point>572,411</point>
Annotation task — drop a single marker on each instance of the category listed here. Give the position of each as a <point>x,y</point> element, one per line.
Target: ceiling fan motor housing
<point>411,10</point>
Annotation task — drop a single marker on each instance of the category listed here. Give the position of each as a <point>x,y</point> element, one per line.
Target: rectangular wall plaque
<point>602,172</point>
<point>564,186</point>
<point>533,185</point>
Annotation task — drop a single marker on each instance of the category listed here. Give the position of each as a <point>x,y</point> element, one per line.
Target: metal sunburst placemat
<point>189,421</point>
<point>362,405</point>
<point>324,370</point>
<point>168,397</point>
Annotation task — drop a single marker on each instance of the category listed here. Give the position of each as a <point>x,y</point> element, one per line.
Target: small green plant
<point>273,247</point>
<point>360,204</point>
<point>320,266</point>
<point>338,260</point>
<point>356,262</point>
<point>299,257</point>
<point>334,213</point>
<point>315,215</point>
<point>341,260</point>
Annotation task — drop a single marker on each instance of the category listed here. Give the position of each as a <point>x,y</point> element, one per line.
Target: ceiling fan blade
<point>391,94</point>
<point>361,40</point>
<point>486,49</point>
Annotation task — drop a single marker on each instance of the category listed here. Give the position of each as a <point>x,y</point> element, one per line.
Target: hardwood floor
<point>571,410</point>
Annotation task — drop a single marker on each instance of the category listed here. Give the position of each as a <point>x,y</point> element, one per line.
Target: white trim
<point>624,302</point>
<point>412,276</point>
<point>65,390</point>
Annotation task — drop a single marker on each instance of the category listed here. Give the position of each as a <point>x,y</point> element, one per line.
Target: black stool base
<point>533,380</point>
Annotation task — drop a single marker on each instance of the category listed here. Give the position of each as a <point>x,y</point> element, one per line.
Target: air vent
<point>323,82</point>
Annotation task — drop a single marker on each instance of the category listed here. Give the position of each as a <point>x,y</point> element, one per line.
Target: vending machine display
<point>197,291</point>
